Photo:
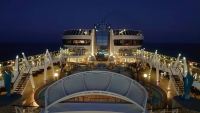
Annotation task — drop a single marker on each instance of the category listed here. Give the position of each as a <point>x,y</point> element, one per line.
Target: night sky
<point>45,20</point>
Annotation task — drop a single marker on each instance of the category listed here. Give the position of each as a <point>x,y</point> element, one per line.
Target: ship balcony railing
<point>127,32</point>
<point>78,32</point>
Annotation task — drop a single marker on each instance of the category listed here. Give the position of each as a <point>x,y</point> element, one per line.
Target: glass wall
<point>102,38</point>
<point>127,42</point>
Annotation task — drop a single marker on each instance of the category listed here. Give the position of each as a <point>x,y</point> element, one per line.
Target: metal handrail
<point>17,76</point>
<point>176,82</point>
<point>26,76</point>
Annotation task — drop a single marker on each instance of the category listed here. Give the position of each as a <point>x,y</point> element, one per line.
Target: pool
<point>41,95</point>
<point>157,96</point>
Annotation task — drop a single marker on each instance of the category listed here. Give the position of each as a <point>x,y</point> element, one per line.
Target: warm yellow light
<point>145,75</point>
<point>55,74</point>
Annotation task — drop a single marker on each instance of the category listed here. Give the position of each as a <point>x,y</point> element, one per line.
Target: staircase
<point>22,83</point>
<point>177,83</point>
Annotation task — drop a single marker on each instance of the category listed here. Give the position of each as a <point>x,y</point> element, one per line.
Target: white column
<point>26,61</point>
<point>170,79</point>
<point>111,42</point>
<point>45,67</point>
<point>31,79</point>
<point>51,61</point>
<point>16,68</point>
<point>185,70</point>
<point>61,56</point>
<point>177,60</point>
<point>157,66</point>
<point>92,42</point>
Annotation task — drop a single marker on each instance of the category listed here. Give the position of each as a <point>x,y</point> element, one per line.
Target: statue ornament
<point>7,81</point>
<point>188,81</point>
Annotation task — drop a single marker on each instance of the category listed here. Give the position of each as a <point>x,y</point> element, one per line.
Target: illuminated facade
<point>102,42</point>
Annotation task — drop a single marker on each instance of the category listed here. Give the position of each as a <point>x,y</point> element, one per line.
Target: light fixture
<point>55,74</point>
<point>145,75</point>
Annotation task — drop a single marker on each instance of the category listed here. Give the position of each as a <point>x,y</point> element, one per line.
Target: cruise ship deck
<point>155,77</point>
<point>29,97</point>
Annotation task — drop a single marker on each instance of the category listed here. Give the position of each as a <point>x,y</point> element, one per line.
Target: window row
<point>76,41</point>
<point>122,42</point>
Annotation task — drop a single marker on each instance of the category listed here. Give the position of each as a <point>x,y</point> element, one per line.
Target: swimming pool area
<point>156,98</point>
<point>41,95</point>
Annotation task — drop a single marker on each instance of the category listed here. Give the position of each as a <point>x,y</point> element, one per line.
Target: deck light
<point>55,74</point>
<point>145,75</point>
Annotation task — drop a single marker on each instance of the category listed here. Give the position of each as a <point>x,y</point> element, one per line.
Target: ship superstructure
<point>101,42</point>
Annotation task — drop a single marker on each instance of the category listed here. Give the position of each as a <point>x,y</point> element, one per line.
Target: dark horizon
<point>171,21</point>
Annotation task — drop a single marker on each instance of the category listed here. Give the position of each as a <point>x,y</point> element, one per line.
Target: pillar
<point>31,79</point>
<point>176,62</point>
<point>185,69</point>
<point>157,66</point>
<point>16,69</point>
<point>51,61</point>
<point>26,62</point>
<point>45,67</point>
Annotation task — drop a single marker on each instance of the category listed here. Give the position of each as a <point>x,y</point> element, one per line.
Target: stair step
<point>19,88</point>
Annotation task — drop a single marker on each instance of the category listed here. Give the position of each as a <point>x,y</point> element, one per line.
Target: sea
<point>8,51</point>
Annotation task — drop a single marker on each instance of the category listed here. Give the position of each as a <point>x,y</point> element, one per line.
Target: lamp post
<point>145,75</point>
